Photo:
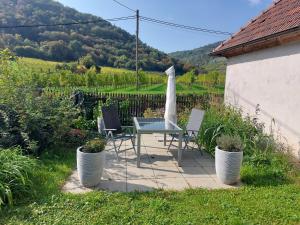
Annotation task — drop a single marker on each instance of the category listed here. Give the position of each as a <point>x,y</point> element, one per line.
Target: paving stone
<point>172,183</point>
<point>211,170</point>
<point>208,183</point>
<point>141,185</point>
<point>112,185</point>
<point>134,173</point>
<point>189,163</point>
<point>193,172</point>
<point>167,172</point>
<point>115,173</point>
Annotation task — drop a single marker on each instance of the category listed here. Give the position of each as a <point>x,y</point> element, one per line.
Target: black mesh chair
<point>113,129</point>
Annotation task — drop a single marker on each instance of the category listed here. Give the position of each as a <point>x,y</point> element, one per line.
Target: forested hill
<point>107,44</point>
<point>200,57</point>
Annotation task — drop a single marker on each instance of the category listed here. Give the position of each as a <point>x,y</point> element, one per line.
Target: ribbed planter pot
<point>90,167</point>
<point>228,165</point>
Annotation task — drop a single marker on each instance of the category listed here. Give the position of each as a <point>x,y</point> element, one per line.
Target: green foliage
<point>87,61</point>
<point>15,175</point>
<point>263,163</point>
<point>157,113</point>
<point>41,119</point>
<point>227,120</point>
<point>201,58</point>
<point>230,143</point>
<point>98,43</point>
<point>11,133</point>
<point>75,137</point>
<point>83,124</point>
<point>94,146</point>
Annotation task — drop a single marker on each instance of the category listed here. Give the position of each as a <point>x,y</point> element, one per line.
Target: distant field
<point>39,64</point>
<point>111,80</point>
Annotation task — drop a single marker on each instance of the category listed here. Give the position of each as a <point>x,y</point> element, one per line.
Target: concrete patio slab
<point>134,173</point>
<point>194,172</point>
<point>202,182</point>
<point>112,185</point>
<point>141,185</point>
<point>177,183</point>
<point>159,169</point>
<point>167,172</point>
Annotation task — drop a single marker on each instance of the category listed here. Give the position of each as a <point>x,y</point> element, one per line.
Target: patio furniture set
<point>114,131</point>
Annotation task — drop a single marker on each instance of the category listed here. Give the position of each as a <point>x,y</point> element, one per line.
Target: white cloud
<point>254,2</point>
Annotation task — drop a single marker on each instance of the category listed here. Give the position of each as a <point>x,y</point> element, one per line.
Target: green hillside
<point>105,43</point>
<point>200,58</point>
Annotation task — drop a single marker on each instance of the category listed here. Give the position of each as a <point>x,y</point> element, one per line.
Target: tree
<point>87,61</point>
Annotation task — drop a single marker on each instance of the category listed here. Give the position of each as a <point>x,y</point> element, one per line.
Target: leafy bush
<point>94,146</point>
<point>10,131</point>
<point>15,174</point>
<point>264,162</point>
<point>227,120</point>
<point>157,113</point>
<point>75,137</point>
<point>230,143</point>
<point>44,119</point>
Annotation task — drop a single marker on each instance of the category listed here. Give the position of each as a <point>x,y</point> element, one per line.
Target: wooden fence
<point>130,105</point>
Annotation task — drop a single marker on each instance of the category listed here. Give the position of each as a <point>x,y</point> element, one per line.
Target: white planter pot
<point>100,124</point>
<point>228,165</point>
<point>90,167</point>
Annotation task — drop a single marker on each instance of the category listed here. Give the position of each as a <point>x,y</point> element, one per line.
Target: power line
<point>148,19</point>
<point>125,6</point>
<point>67,24</point>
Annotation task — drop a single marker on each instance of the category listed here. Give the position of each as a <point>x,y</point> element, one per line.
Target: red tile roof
<point>283,15</point>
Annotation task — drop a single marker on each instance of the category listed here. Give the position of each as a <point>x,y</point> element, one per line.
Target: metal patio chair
<point>192,128</point>
<point>113,129</point>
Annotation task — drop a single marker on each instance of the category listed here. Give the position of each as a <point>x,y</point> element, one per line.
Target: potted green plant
<point>228,158</point>
<point>91,161</point>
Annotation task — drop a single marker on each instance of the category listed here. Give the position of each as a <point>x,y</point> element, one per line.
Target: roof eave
<point>276,39</point>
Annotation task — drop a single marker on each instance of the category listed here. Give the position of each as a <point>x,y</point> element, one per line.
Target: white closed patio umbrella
<point>170,109</point>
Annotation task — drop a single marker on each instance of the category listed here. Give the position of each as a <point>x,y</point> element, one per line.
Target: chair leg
<point>120,145</point>
<point>186,144</point>
<point>133,145</point>
<point>171,143</point>
<point>115,147</point>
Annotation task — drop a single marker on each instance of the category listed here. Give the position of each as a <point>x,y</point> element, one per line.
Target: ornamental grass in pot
<point>91,161</point>
<point>228,158</point>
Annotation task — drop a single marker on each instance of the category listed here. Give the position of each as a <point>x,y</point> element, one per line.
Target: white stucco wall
<point>270,78</point>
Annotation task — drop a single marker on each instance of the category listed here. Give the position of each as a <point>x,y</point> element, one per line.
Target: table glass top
<point>155,124</point>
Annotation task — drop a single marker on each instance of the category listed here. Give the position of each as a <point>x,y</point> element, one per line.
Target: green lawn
<point>254,204</point>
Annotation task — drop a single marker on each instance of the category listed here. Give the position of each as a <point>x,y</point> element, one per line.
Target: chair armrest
<point>109,129</point>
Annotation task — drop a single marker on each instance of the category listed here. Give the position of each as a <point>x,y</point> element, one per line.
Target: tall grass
<point>15,174</point>
<point>264,162</point>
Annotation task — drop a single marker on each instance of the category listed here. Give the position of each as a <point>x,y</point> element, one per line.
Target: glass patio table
<point>155,125</point>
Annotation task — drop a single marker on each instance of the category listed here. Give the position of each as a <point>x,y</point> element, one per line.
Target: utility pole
<point>137,50</point>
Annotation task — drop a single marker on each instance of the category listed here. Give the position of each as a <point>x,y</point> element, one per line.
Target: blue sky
<point>225,15</point>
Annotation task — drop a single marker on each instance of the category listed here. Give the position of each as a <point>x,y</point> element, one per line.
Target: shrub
<point>264,162</point>
<point>158,113</point>
<point>15,174</point>
<point>94,146</point>
<point>44,119</point>
<point>10,130</point>
<point>230,143</point>
<point>227,120</point>
<point>75,137</point>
